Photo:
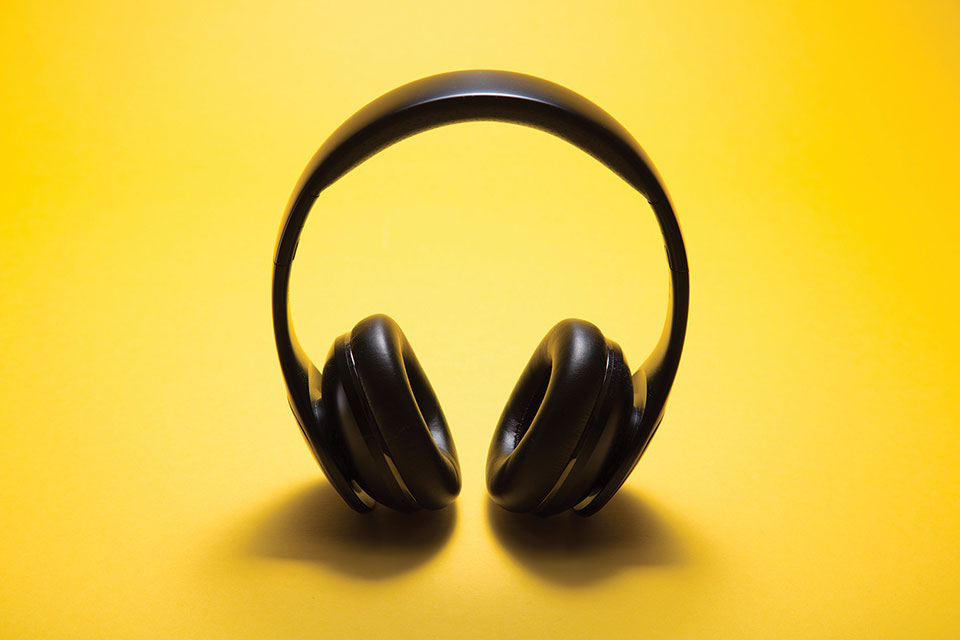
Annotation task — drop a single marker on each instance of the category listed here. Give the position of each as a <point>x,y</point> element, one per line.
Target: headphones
<point>577,421</point>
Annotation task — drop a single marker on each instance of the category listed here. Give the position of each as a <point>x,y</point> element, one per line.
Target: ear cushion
<point>403,408</point>
<point>552,417</point>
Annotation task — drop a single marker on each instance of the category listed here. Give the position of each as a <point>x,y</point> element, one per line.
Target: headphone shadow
<point>571,550</point>
<point>314,526</point>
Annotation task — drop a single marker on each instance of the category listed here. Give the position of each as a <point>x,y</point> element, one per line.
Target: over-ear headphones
<point>577,421</point>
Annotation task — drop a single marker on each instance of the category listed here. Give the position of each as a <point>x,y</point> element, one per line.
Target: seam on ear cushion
<point>532,404</point>
<point>374,429</point>
<point>609,419</point>
<point>522,471</point>
<point>589,429</point>
<point>405,411</point>
<point>349,414</point>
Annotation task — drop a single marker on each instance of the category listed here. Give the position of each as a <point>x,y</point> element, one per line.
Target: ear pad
<point>389,419</point>
<point>562,423</point>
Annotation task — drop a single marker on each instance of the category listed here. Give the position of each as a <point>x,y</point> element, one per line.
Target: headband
<point>463,96</point>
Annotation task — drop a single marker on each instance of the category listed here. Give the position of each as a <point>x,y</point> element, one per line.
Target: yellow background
<point>805,481</point>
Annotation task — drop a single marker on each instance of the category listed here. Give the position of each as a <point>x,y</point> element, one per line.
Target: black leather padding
<point>547,415</point>
<point>405,410</point>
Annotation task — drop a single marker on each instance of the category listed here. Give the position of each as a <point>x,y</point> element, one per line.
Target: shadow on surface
<point>572,550</point>
<point>313,525</point>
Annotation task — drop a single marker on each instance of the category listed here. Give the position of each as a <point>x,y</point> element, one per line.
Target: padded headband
<point>463,96</point>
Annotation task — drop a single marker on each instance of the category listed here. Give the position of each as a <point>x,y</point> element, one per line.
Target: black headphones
<point>577,421</point>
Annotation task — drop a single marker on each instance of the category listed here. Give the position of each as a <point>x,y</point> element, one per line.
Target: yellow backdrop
<point>805,481</point>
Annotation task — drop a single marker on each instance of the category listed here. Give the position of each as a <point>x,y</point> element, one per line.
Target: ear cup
<point>390,419</point>
<point>565,416</point>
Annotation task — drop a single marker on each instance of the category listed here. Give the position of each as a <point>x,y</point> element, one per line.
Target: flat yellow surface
<point>805,481</point>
